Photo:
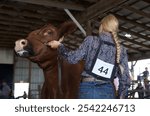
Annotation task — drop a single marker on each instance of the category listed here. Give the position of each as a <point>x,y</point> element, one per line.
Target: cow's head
<point>34,46</point>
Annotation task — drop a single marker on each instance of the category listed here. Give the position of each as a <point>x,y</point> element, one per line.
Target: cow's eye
<point>49,32</point>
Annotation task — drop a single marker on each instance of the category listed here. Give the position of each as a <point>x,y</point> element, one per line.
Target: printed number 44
<point>102,70</point>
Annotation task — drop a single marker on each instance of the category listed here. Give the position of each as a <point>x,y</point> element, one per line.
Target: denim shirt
<point>107,53</point>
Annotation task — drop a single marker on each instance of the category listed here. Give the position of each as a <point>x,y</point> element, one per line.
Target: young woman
<point>105,60</point>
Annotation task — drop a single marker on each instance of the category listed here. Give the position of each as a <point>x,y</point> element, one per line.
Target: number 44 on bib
<point>102,68</point>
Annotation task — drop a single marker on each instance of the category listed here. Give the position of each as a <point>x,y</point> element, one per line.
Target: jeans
<point>96,90</point>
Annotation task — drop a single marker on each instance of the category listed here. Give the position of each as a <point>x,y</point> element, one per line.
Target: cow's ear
<point>66,28</point>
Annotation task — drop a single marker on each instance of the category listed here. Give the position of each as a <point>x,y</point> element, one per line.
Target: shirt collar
<point>106,36</point>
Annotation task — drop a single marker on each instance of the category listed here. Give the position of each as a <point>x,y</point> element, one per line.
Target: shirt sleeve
<point>124,80</point>
<point>74,56</point>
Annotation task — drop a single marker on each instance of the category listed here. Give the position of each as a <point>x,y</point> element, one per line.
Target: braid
<point>118,51</point>
<point>110,24</point>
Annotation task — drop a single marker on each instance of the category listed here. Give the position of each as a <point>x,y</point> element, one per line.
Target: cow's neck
<point>48,64</point>
<point>51,83</point>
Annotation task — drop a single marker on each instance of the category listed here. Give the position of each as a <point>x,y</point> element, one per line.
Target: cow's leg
<point>74,88</point>
<point>70,87</point>
<point>74,80</point>
<point>51,88</point>
<point>44,93</point>
<point>65,87</point>
<point>48,92</point>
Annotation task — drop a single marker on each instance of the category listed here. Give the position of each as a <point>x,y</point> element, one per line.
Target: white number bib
<point>102,68</point>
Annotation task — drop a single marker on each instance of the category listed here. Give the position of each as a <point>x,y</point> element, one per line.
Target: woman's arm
<point>73,56</point>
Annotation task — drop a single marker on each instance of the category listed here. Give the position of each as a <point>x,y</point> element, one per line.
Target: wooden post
<point>29,80</point>
<point>89,27</point>
<point>132,69</point>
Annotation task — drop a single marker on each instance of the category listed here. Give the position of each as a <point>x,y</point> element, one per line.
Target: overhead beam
<point>146,1</point>
<point>98,8</point>
<point>134,33</point>
<point>139,56</point>
<point>52,3</point>
<point>11,33</point>
<point>30,7</point>
<point>8,41</point>
<point>129,47</point>
<point>136,11</point>
<point>91,1</point>
<point>132,22</point>
<point>19,25</point>
<point>21,20</point>
<point>13,29</point>
<point>101,7</point>
<point>134,42</point>
<point>36,22</point>
<point>29,14</point>
<point>15,24</point>
<point>7,36</point>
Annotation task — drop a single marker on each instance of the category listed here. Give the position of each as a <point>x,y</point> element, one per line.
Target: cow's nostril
<point>23,43</point>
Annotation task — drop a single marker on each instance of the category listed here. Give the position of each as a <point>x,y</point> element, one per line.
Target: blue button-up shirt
<point>107,53</point>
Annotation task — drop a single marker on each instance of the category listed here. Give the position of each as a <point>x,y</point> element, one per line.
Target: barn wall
<point>6,56</point>
<point>22,74</point>
<point>6,66</point>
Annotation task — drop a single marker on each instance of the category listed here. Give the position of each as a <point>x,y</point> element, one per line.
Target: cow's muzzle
<point>22,48</point>
<point>23,53</point>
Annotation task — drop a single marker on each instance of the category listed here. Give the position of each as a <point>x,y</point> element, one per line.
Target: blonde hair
<point>110,24</point>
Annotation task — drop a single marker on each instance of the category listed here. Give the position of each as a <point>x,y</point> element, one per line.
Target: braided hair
<point>110,24</point>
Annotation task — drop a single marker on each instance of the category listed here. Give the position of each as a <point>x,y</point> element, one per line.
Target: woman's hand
<point>54,44</point>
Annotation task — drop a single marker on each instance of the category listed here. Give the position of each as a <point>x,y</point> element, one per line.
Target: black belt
<point>91,79</point>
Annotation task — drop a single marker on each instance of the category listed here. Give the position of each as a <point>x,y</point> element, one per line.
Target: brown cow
<point>35,49</point>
